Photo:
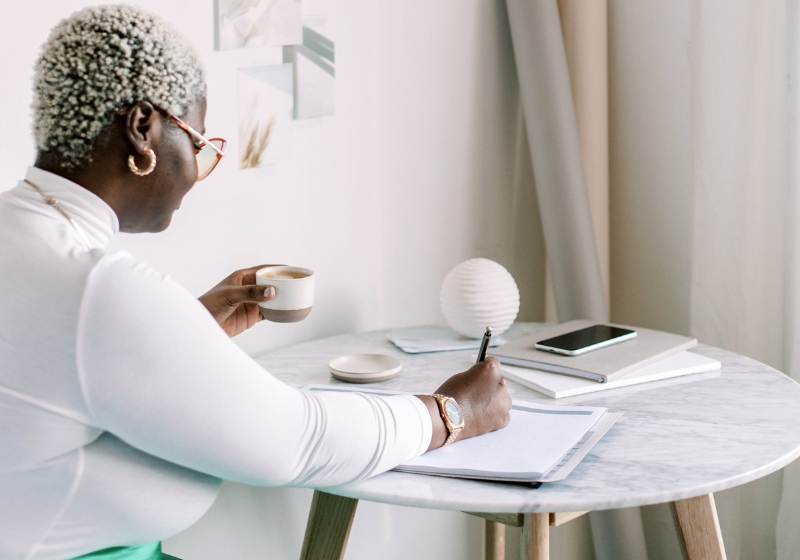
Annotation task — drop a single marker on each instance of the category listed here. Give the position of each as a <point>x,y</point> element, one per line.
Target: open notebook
<point>542,443</point>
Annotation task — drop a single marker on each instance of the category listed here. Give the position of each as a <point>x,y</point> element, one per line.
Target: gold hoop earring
<point>142,172</point>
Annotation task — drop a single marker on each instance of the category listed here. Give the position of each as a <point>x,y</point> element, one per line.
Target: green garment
<point>150,551</point>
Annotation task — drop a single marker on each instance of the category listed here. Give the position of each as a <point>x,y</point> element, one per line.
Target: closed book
<point>601,365</point>
<point>559,386</point>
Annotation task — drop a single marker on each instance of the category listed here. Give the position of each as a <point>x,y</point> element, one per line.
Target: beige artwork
<point>265,114</point>
<point>255,135</point>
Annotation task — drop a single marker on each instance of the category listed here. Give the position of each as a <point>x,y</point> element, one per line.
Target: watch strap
<point>452,429</point>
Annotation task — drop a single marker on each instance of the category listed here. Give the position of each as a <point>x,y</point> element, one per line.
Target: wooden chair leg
<point>698,524</point>
<point>328,527</point>
<point>495,541</point>
<point>535,541</point>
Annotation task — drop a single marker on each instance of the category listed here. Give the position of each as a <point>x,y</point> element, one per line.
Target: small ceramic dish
<point>364,368</point>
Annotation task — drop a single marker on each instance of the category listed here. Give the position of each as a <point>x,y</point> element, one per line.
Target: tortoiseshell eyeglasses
<point>208,151</point>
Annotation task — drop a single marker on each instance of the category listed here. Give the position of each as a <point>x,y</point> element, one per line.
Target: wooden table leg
<point>698,524</point>
<point>495,541</point>
<point>328,527</point>
<point>535,540</point>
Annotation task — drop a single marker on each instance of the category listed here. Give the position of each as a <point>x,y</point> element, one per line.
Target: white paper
<point>534,442</point>
<point>576,454</point>
<point>417,340</point>
<point>557,386</point>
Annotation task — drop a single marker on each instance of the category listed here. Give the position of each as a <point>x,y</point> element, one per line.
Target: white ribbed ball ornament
<point>479,293</point>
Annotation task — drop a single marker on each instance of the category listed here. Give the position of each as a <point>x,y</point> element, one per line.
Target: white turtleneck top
<point>123,403</point>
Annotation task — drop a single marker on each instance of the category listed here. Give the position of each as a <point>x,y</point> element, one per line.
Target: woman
<point>123,404</point>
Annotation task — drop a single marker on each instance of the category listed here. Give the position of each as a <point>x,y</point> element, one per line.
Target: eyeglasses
<point>208,152</point>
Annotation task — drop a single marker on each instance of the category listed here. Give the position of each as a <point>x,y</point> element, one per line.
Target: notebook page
<point>535,440</point>
<point>418,340</point>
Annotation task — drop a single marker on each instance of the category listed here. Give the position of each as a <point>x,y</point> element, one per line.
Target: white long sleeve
<point>123,404</point>
<point>159,373</point>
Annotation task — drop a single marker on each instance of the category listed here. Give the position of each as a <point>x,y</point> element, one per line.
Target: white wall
<point>422,167</point>
<point>419,169</point>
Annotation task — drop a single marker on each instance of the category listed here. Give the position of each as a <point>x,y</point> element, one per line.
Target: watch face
<point>453,412</point>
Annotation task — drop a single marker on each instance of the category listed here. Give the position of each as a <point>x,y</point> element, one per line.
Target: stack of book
<point>650,356</point>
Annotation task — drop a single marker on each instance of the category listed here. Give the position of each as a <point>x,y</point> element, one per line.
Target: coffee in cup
<point>294,293</point>
<point>284,274</point>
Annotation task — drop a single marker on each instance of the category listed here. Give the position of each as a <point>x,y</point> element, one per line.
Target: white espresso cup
<point>294,293</point>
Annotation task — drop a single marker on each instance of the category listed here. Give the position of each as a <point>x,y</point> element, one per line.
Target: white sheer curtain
<point>704,204</point>
<point>705,199</point>
<point>744,281</point>
<point>788,525</point>
<point>742,226</point>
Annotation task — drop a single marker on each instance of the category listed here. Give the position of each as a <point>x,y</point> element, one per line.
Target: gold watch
<point>451,414</point>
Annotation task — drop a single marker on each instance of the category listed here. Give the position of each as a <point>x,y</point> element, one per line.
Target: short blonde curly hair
<point>99,60</point>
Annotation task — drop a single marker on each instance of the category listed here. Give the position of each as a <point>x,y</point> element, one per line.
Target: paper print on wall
<point>257,23</point>
<point>314,73</point>
<point>266,106</point>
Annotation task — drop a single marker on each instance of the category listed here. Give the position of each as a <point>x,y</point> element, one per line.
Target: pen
<point>484,345</point>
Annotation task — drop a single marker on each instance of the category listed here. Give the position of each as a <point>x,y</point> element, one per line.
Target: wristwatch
<point>451,414</point>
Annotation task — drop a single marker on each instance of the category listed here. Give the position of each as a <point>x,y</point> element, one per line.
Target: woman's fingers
<point>235,306</point>
<point>223,300</point>
<point>236,295</point>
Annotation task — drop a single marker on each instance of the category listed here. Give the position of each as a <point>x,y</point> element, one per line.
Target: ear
<point>143,126</point>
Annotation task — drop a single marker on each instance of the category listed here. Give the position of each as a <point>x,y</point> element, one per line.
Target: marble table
<point>678,441</point>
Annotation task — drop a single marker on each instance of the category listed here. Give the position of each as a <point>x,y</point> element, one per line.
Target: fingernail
<point>269,292</point>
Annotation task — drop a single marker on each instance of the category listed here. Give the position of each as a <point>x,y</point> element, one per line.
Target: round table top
<point>677,439</point>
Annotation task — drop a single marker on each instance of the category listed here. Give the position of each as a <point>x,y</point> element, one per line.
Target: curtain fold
<point>546,98</point>
<point>561,185</point>
<point>584,27</point>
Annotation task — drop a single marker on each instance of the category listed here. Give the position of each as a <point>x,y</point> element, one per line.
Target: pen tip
<point>488,330</point>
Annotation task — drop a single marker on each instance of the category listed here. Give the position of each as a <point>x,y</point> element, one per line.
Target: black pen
<point>484,345</point>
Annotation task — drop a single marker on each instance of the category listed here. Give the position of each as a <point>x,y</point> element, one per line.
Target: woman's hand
<point>482,396</point>
<point>234,301</point>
